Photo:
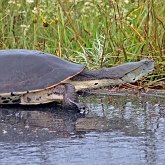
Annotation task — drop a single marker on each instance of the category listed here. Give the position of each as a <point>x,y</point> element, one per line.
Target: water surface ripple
<point>118,130</point>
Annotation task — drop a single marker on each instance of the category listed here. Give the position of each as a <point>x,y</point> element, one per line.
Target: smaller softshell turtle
<point>33,77</point>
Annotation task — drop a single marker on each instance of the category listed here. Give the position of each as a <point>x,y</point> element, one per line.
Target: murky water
<point>119,130</point>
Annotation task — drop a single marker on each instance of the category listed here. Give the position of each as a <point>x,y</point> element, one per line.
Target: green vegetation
<point>99,33</point>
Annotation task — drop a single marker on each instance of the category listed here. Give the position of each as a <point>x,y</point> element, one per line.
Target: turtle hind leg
<point>70,99</point>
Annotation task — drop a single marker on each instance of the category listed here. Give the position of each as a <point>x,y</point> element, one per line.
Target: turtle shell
<point>29,70</point>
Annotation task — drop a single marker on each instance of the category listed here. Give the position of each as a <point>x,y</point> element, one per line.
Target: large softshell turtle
<point>33,77</point>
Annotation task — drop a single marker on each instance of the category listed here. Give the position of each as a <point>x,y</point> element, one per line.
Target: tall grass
<point>99,33</point>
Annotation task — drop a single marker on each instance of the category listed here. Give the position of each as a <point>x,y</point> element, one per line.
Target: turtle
<point>32,77</point>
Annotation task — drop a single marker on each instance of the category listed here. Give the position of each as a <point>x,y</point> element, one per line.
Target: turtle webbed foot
<point>72,105</point>
<point>82,107</point>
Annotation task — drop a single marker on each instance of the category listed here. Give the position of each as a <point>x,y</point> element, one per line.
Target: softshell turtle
<point>34,77</point>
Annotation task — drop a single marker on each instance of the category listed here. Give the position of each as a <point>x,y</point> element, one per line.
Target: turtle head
<point>124,73</point>
<point>139,69</point>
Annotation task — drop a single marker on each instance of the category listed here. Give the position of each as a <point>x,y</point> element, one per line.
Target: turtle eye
<point>95,83</point>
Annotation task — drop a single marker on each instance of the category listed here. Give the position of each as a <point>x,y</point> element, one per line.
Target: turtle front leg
<point>70,99</point>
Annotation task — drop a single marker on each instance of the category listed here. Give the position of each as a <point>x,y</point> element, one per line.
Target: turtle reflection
<point>33,125</point>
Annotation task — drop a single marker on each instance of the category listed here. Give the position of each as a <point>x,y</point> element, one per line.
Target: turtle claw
<point>83,108</point>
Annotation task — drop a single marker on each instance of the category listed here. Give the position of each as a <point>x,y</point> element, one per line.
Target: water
<point>119,130</point>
